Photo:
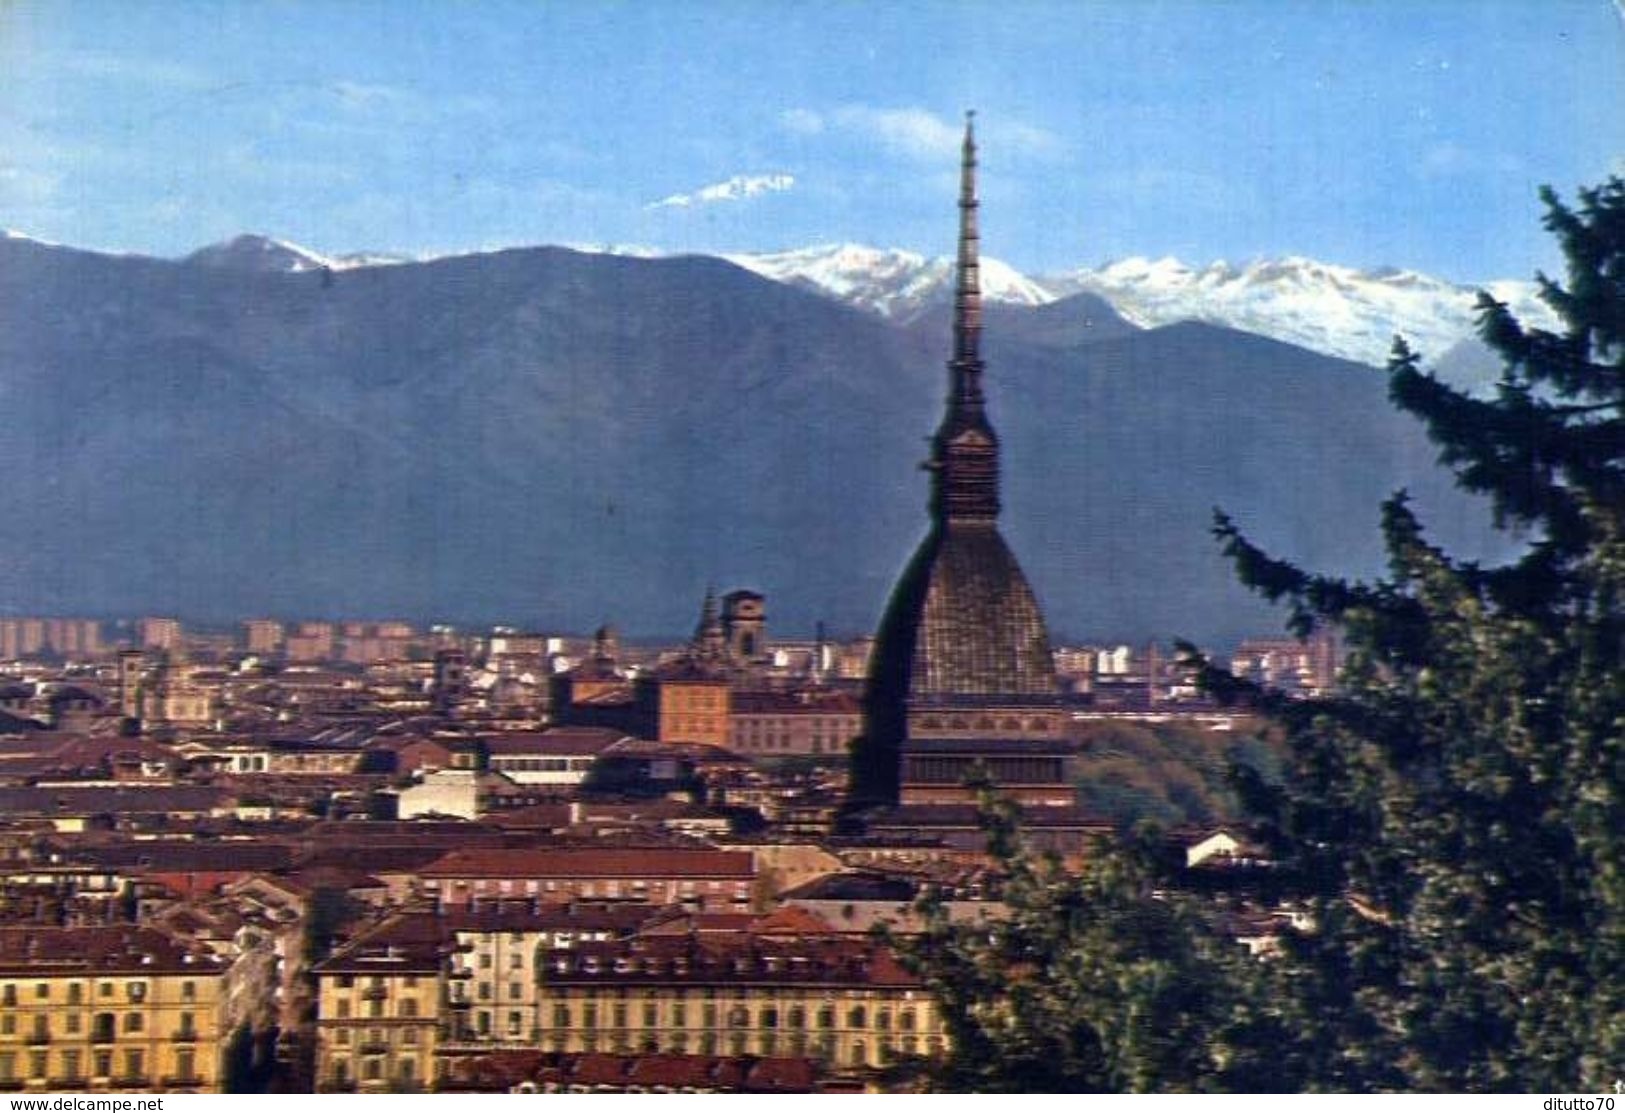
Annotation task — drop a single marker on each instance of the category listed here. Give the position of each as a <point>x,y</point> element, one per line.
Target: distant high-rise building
<point>263,635</point>
<point>159,633</point>
<point>961,682</point>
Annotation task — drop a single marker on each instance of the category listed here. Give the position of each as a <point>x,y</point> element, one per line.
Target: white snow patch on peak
<point>270,255</point>
<point>24,237</point>
<point>1339,310</point>
<point>894,283</point>
<point>629,250</point>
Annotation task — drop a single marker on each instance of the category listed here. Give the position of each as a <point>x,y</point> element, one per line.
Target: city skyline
<point>1410,135</point>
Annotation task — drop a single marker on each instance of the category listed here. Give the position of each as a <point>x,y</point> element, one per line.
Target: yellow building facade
<point>115,1008</point>
<point>379,1010</point>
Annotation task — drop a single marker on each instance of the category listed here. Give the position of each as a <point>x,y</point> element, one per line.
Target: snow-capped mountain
<point>1336,310</point>
<point>266,255</point>
<point>1333,309</point>
<point>895,284</point>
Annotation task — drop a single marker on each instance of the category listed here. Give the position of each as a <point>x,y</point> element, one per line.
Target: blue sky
<point>1406,132</point>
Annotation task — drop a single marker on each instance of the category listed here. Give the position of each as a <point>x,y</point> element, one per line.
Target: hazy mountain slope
<point>551,438</point>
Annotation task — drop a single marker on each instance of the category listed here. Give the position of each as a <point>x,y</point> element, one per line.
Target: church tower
<point>961,682</point>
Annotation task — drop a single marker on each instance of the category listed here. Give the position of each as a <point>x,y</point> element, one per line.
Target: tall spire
<point>965,450</point>
<point>968,279</point>
<point>708,636</point>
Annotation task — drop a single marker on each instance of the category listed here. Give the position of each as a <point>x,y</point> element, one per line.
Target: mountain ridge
<point>550,438</point>
<point>1330,308</point>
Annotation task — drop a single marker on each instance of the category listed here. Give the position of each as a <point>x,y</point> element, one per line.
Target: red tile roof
<point>122,949</point>
<point>592,862</point>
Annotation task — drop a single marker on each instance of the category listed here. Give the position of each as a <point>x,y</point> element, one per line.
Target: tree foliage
<point>1458,804</point>
<point>1093,983</point>
<point>1454,810</point>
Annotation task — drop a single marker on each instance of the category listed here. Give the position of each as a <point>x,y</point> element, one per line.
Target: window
<point>42,1028</point>
<point>857,1018</point>
<point>409,1071</point>
<point>651,1014</point>
<point>561,1015</point>
<point>372,1069</point>
<point>8,995</point>
<point>516,961</point>
<point>346,981</point>
<point>135,991</point>
<point>71,1066</point>
<point>134,1022</point>
<point>409,1007</point>
<point>185,1063</point>
<point>343,1009</point>
<point>8,1024</point>
<point>76,994</point>
<point>104,1025</point>
<point>42,991</point>
<point>409,1037</point>
<point>135,1063</point>
<point>36,1064</point>
<point>103,1061</point>
<point>342,1037</point>
<point>105,989</point>
<point>516,1022</point>
<point>516,990</point>
<point>8,1066</point>
<point>188,1025</point>
<point>188,991</point>
<point>71,1023</point>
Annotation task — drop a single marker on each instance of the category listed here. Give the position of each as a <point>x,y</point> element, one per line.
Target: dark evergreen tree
<point>1094,982</point>
<point>1458,803</point>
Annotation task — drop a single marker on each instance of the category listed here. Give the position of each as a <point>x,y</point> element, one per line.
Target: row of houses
<point>410,1003</point>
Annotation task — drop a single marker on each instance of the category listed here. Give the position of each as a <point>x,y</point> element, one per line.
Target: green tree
<point>1093,982</point>
<point>1457,806</point>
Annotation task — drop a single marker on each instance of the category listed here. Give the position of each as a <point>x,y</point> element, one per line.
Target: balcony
<point>75,1083</point>
<point>375,993</point>
<point>180,1081</point>
<point>132,1082</point>
<point>374,1047</point>
<point>185,1035</point>
<point>38,1039</point>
